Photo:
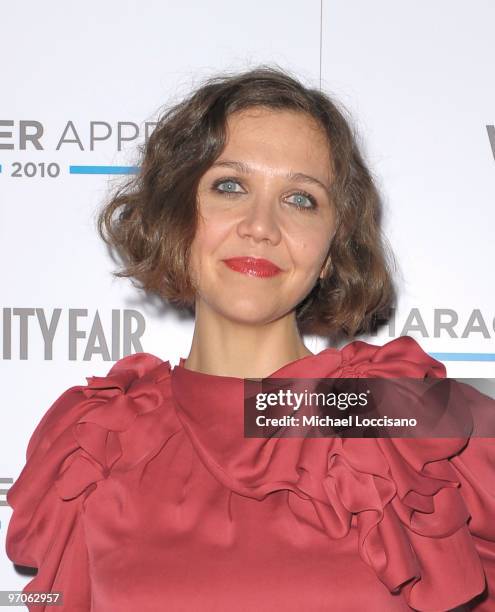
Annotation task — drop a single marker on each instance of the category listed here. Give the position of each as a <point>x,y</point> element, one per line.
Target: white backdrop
<point>88,80</point>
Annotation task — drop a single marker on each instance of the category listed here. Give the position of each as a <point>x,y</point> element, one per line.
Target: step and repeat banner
<point>82,86</point>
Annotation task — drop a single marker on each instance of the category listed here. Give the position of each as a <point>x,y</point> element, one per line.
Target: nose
<point>260,222</point>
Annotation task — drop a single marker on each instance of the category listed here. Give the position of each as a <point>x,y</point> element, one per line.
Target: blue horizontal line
<point>463,356</point>
<point>103,169</point>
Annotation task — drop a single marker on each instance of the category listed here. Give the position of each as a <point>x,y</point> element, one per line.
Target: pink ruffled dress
<point>140,493</point>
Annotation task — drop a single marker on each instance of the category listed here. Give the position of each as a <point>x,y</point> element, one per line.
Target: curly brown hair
<point>151,219</point>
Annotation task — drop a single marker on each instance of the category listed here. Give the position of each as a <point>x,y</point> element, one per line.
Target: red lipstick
<point>253,266</point>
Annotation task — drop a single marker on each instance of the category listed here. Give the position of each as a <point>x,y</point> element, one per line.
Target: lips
<point>253,266</point>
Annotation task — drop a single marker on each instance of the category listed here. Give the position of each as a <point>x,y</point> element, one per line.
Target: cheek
<point>207,243</point>
<point>310,253</point>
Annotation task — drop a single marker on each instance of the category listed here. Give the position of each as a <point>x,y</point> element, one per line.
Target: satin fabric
<point>140,492</point>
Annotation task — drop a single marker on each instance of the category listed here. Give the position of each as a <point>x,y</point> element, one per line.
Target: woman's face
<point>250,207</point>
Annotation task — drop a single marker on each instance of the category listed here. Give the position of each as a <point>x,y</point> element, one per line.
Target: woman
<point>253,208</point>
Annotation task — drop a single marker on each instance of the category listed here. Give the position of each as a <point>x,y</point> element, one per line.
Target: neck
<point>224,347</point>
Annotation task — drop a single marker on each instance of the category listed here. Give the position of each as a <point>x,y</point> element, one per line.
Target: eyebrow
<point>291,176</point>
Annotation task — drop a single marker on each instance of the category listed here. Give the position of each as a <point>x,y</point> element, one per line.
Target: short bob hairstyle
<point>151,219</point>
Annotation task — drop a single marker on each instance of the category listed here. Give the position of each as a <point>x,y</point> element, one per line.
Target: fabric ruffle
<point>89,433</point>
<point>413,500</point>
<point>412,519</point>
<point>120,426</point>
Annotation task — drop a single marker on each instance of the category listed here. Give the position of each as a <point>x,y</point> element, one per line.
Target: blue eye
<point>230,186</point>
<point>227,186</point>
<point>301,198</point>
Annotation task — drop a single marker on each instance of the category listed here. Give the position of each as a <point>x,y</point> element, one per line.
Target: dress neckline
<point>287,370</point>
